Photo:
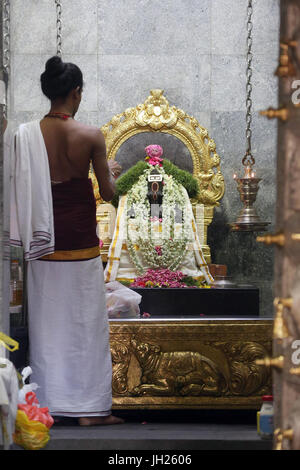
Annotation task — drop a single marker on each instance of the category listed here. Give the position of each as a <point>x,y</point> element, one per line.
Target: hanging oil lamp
<point>248,184</point>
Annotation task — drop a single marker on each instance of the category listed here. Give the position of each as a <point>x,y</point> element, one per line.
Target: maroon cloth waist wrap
<point>74,212</point>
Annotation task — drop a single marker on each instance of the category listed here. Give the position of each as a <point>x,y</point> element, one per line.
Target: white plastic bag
<point>122,302</point>
<point>9,388</point>
<point>32,421</point>
<point>26,372</point>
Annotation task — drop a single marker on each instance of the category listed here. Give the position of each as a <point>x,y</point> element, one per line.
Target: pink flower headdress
<point>153,155</point>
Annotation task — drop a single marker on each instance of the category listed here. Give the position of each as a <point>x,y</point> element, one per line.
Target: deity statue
<point>155,226</point>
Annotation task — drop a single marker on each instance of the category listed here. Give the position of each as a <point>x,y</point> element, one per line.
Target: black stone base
<point>197,302</point>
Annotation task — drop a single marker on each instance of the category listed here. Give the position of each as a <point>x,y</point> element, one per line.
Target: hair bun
<point>55,66</point>
<point>59,78</point>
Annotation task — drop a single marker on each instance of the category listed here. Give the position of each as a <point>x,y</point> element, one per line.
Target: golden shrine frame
<point>156,115</point>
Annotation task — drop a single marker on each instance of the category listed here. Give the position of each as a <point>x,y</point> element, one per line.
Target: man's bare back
<point>71,147</point>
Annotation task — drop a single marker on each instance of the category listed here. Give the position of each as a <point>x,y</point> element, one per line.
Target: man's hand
<point>115,168</point>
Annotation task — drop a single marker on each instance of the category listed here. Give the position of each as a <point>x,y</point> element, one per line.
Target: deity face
<point>155,196</point>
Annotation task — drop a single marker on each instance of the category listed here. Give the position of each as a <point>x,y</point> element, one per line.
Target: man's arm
<point>101,168</point>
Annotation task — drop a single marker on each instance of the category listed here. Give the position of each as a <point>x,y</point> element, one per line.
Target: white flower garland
<point>144,235</point>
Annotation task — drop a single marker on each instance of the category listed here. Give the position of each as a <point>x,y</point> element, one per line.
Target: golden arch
<point>156,115</point>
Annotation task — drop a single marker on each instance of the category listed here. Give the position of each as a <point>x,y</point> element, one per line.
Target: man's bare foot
<point>100,420</point>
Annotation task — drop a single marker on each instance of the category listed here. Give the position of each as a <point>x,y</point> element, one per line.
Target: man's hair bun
<point>55,66</point>
<point>59,78</point>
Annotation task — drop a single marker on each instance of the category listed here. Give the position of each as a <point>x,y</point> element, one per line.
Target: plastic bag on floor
<point>122,302</point>
<point>26,372</point>
<point>30,434</point>
<point>9,388</point>
<point>32,422</point>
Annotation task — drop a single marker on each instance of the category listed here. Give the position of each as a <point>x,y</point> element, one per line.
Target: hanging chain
<point>248,158</point>
<point>6,48</point>
<point>58,27</point>
<point>6,37</point>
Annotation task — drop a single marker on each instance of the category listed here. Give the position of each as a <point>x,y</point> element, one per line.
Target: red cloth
<point>74,212</point>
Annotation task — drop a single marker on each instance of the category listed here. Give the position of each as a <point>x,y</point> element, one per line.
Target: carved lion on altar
<point>179,372</point>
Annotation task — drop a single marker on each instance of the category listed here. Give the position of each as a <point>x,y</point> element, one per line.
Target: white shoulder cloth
<point>31,208</point>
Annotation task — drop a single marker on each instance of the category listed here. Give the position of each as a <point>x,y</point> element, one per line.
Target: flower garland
<point>162,243</point>
<point>165,278</point>
<point>125,182</point>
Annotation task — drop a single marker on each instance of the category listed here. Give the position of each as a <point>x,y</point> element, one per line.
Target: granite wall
<point>195,51</point>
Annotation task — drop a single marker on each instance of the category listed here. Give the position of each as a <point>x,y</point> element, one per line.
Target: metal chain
<point>6,36</point>
<point>248,158</point>
<point>6,48</point>
<point>58,27</point>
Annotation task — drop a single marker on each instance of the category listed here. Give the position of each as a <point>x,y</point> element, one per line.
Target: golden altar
<point>180,362</point>
<point>190,363</point>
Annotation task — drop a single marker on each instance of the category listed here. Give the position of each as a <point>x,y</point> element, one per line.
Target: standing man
<point>54,218</point>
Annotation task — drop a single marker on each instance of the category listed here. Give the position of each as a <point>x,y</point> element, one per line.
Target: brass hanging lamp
<point>248,184</point>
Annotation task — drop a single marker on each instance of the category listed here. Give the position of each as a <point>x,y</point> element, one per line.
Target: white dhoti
<point>69,337</point>
<point>68,323</point>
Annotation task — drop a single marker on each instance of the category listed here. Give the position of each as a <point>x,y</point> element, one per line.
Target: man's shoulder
<point>91,132</point>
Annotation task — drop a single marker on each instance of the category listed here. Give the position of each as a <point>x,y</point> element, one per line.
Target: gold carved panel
<point>190,363</point>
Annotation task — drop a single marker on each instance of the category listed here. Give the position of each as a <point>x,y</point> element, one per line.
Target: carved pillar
<point>287,265</point>
<point>4,286</point>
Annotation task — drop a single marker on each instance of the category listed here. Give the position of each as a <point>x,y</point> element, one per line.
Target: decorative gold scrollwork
<point>120,354</point>
<point>156,112</point>
<point>246,376</point>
